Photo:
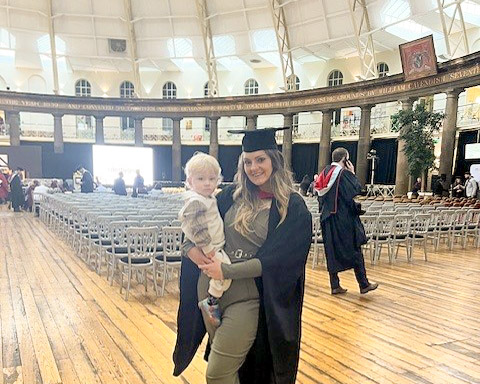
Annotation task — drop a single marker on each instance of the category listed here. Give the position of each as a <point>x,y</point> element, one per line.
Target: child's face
<point>204,183</point>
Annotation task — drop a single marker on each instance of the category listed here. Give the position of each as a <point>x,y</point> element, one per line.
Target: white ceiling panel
<point>320,28</point>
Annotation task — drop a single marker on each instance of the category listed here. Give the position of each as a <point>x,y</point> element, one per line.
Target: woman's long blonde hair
<point>246,193</point>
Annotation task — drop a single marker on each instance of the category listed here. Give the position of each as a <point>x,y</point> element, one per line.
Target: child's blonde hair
<point>201,162</point>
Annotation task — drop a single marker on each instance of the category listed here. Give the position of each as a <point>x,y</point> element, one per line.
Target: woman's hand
<point>198,257</point>
<point>213,270</point>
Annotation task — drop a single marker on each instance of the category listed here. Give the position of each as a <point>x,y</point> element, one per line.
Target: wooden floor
<point>62,323</point>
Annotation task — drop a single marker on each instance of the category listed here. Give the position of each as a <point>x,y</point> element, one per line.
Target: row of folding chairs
<point>124,243</point>
<point>394,230</point>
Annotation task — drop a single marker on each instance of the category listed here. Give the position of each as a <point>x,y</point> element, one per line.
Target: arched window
<point>83,89</point>
<point>335,78</point>
<point>382,69</point>
<point>127,91</point>
<point>251,87</point>
<point>293,83</point>
<point>169,92</point>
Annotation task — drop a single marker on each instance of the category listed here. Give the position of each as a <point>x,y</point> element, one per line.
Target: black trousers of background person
<point>360,274</point>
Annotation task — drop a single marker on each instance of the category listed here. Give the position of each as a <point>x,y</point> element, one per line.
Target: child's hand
<point>210,254</point>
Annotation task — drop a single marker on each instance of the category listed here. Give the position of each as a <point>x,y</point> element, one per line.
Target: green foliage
<point>416,127</point>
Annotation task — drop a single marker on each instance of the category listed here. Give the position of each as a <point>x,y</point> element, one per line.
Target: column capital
<point>138,118</point>
<point>58,115</point>
<point>176,118</point>
<point>327,111</point>
<point>213,118</point>
<point>367,107</point>
<point>99,117</point>
<point>454,92</point>
<point>288,114</point>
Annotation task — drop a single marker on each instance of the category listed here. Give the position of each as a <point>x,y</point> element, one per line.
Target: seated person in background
<point>87,181</point>
<point>119,185</point>
<point>439,187</point>
<point>457,187</point>
<point>138,184</point>
<point>202,224</point>
<point>41,190</point>
<point>304,184</point>
<point>417,186</point>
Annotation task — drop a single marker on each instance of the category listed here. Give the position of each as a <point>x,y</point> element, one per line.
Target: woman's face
<point>258,167</point>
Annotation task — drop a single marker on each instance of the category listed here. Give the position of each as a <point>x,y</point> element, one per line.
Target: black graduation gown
<point>342,231</point>
<point>87,183</point>
<point>283,255</point>
<point>16,192</point>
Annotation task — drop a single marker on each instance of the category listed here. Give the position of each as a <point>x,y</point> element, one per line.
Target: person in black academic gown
<point>273,356</point>
<point>342,231</point>
<point>119,185</point>
<point>87,181</point>
<point>16,191</point>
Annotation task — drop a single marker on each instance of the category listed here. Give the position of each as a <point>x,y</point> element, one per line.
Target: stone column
<point>176,151</point>
<point>213,149</point>
<point>361,167</point>
<point>449,130</point>
<point>99,133</point>
<point>252,122</point>
<point>57,133</point>
<point>287,139</point>
<point>138,122</point>
<point>325,136</point>
<point>401,175</point>
<point>13,122</point>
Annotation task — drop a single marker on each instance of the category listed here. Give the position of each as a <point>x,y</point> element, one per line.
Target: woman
<point>268,233</point>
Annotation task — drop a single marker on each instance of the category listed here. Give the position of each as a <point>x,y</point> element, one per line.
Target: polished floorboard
<point>60,322</point>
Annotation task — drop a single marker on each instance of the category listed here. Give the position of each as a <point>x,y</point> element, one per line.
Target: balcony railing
<point>468,116</point>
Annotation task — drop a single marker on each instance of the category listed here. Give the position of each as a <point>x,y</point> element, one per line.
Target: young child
<point>202,224</point>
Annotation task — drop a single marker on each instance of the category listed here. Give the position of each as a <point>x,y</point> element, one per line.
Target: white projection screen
<point>109,160</point>
<point>472,151</point>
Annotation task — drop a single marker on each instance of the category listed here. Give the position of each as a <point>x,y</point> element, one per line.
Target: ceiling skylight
<point>43,44</point>
<point>395,10</point>
<point>224,45</point>
<point>186,64</point>
<point>180,47</point>
<point>264,40</point>
<point>7,40</point>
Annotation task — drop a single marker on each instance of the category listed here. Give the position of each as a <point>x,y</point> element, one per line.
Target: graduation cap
<point>258,139</point>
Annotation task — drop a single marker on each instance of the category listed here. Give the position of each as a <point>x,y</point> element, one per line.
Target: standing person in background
<point>304,184</point>
<point>138,184</point>
<point>29,195</point>
<point>3,188</point>
<point>416,187</point>
<point>87,181</point>
<point>470,186</point>
<point>457,187</point>
<point>119,185</point>
<point>16,191</point>
<point>342,230</point>
<point>439,187</point>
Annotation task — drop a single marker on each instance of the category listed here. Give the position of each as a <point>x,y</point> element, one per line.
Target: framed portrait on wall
<point>418,58</point>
